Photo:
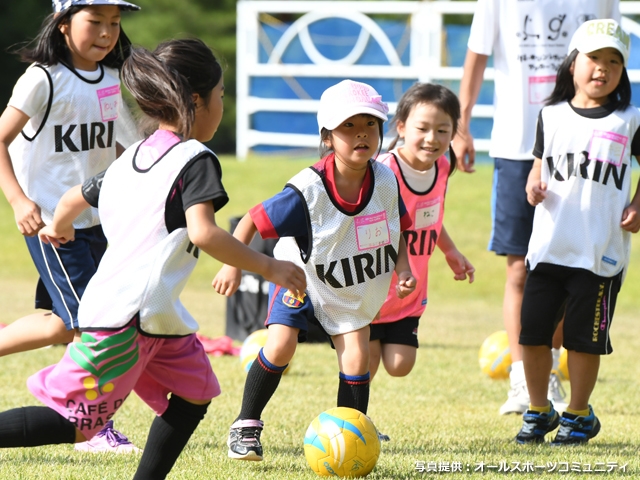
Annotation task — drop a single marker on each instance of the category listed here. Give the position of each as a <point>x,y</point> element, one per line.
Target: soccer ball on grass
<point>495,356</point>
<point>342,442</point>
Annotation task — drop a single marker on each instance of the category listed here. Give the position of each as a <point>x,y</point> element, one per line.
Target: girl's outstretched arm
<point>631,214</point>
<point>69,207</point>
<point>458,263</point>
<point>227,280</point>
<point>26,212</point>
<point>213,240</point>
<point>406,280</point>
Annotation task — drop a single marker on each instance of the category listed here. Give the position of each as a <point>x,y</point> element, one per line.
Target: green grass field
<point>444,414</point>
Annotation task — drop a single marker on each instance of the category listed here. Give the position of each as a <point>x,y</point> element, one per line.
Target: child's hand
<point>536,192</point>
<point>27,215</point>
<point>406,284</point>
<point>460,266</point>
<point>287,275</point>
<point>631,219</point>
<point>57,235</point>
<point>227,281</point>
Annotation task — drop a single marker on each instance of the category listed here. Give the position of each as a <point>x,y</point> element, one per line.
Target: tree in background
<point>212,21</point>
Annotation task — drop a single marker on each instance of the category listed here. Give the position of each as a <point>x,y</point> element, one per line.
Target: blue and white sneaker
<point>535,425</point>
<point>576,430</point>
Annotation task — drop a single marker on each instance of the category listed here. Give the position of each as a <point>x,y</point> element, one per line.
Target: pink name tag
<point>427,213</point>
<point>607,147</point>
<point>540,88</point>
<point>109,99</point>
<point>372,231</point>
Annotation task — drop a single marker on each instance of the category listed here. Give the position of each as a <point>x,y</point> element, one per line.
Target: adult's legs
<point>518,396</point>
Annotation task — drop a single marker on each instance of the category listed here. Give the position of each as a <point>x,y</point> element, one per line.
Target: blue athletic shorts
<point>511,213</point>
<point>66,271</point>
<point>287,309</point>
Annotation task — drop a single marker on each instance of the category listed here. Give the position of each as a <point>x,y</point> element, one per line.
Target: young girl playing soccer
<point>426,120</point>
<point>581,183</point>
<point>157,203</point>
<point>341,221</point>
<point>58,131</point>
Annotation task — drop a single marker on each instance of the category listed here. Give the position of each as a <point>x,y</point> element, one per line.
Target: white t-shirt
<point>418,180</point>
<point>529,40</point>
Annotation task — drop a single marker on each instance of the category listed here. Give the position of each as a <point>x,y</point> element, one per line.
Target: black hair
<point>50,47</point>
<point>565,89</point>
<point>325,134</point>
<point>429,93</point>
<point>163,82</point>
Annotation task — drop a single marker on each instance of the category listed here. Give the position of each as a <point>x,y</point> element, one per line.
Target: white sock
<point>555,352</point>
<point>516,376</point>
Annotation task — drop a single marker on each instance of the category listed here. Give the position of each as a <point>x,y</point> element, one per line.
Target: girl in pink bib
<point>426,120</point>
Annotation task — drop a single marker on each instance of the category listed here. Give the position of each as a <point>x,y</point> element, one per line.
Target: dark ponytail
<point>50,47</point>
<point>164,81</point>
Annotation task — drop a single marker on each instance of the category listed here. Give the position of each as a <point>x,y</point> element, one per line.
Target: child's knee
<point>57,330</point>
<point>183,414</point>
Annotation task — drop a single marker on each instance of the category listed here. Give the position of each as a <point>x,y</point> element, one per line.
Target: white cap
<point>61,5</point>
<point>596,34</point>
<point>346,99</point>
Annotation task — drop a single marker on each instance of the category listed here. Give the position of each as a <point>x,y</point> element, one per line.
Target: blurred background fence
<point>289,52</point>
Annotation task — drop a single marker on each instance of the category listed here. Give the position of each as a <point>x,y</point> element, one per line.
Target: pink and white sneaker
<point>108,440</point>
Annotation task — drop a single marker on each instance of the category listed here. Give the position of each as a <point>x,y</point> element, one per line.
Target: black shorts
<point>586,299</point>
<point>402,332</point>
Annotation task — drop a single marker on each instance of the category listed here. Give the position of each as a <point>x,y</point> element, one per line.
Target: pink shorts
<point>96,375</point>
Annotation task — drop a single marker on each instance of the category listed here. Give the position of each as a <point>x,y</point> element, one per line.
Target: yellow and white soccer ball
<point>495,356</point>
<point>563,367</point>
<point>342,442</point>
<point>251,347</point>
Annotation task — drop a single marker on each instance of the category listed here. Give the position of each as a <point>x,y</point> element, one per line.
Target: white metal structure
<point>426,62</point>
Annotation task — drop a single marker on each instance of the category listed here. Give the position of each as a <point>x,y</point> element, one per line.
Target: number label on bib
<point>372,231</point>
<point>109,102</point>
<point>607,147</point>
<point>427,213</point>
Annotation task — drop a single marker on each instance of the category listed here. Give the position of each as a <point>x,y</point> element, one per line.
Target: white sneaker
<point>556,393</point>
<point>517,401</point>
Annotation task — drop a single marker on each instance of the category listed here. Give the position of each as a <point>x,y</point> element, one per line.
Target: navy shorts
<point>287,309</point>
<point>512,215</point>
<point>402,332</point>
<point>66,271</point>
<point>586,299</point>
